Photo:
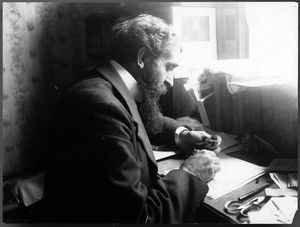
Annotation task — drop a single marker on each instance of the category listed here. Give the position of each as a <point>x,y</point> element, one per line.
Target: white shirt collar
<point>128,79</point>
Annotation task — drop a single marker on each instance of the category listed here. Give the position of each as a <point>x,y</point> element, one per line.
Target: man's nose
<point>169,80</point>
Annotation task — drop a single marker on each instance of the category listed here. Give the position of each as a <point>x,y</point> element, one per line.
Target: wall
<point>42,51</point>
<point>279,117</point>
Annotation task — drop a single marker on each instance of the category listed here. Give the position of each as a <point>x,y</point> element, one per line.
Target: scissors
<point>242,209</point>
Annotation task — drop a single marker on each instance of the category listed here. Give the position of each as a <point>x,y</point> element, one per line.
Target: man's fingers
<point>216,160</point>
<point>209,152</point>
<point>217,168</point>
<point>203,151</point>
<point>201,134</point>
<point>217,150</point>
<point>205,134</point>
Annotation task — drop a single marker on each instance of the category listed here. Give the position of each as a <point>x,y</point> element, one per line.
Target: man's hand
<point>190,140</point>
<point>203,164</point>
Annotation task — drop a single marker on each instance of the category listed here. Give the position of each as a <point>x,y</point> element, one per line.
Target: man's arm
<point>167,135</point>
<point>176,134</point>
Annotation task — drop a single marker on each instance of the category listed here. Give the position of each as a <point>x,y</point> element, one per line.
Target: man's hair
<point>143,31</point>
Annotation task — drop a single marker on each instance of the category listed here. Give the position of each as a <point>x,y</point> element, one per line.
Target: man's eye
<point>170,68</point>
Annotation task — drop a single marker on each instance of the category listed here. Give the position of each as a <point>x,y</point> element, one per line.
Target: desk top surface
<point>217,206</point>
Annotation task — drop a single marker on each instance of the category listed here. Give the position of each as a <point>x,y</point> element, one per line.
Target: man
<point>101,166</point>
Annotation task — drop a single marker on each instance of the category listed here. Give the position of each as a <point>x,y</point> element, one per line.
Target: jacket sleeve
<point>175,198</point>
<point>167,134</point>
<point>107,167</point>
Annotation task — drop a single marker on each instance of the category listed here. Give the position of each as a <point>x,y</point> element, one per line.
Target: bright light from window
<point>273,38</point>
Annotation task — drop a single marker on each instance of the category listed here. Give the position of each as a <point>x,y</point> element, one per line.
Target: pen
<point>250,194</point>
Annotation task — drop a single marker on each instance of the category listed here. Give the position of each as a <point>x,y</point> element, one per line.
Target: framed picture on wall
<point>196,27</point>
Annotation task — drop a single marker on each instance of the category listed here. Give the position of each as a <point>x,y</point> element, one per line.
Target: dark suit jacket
<point>101,165</point>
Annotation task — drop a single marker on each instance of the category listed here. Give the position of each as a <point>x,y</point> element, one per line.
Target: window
<point>273,38</point>
<point>196,28</point>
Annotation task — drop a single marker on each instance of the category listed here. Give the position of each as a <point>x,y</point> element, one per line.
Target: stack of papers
<point>285,180</point>
<point>287,184</point>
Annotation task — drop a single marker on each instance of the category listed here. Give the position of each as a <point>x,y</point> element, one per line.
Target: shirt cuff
<point>177,133</point>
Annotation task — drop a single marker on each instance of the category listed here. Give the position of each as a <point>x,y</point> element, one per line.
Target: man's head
<point>148,48</point>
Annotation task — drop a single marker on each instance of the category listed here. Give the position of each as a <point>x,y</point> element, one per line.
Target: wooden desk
<point>212,211</point>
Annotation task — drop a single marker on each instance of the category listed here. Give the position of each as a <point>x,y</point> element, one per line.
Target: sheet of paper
<point>293,180</point>
<point>163,154</point>
<point>285,180</point>
<point>281,192</point>
<point>234,173</point>
<point>269,214</point>
<point>166,166</point>
<point>280,179</point>
<point>288,206</point>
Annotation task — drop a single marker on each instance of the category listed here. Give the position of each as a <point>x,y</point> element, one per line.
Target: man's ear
<point>141,57</point>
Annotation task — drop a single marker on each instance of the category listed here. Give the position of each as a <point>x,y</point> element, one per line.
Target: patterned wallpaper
<point>43,49</point>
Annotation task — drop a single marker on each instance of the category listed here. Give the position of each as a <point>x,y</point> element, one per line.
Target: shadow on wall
<point>43,50</point>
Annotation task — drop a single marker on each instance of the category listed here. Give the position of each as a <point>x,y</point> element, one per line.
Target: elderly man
<point>101,165</point>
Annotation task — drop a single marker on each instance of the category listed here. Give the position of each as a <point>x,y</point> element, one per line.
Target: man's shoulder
<point>90,89</point>
<point>90,86</point>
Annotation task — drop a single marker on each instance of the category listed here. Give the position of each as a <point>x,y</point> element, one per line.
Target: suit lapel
<point>119,84</point>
